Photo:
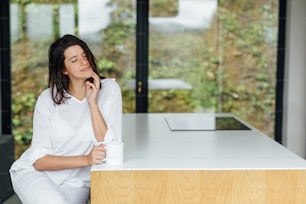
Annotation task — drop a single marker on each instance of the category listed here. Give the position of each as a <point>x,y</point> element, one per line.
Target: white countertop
<point>150,144</point>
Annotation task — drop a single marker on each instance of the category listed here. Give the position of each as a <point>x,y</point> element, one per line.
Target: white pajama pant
<point>35,187</point>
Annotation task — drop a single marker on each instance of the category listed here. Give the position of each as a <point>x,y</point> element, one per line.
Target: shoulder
<point>45,98</point>
<point>110,89</point>
<point>110,83</point>
<point>45,95</point>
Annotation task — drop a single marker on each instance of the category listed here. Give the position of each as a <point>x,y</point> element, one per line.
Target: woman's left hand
<point>92,89</point>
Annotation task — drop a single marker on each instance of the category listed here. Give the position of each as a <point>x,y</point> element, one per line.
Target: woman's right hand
<point>97,154</point>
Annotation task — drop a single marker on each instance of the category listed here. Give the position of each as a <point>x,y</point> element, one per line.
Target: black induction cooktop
<point>204,123</point>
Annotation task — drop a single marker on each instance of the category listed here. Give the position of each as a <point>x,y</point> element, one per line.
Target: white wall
<point>294,120</point>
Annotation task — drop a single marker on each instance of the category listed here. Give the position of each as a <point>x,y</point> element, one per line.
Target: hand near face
<point>92,89</point>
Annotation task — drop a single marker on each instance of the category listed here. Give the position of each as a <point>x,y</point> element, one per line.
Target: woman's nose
<point>83,61</point>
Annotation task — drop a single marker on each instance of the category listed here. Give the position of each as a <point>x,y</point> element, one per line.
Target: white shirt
<point>66,130</point>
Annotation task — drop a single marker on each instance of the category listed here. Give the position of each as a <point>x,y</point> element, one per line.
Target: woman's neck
<point>77,90</point>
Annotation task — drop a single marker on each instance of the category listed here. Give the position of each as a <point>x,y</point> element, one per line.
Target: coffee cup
<point>114,153</point>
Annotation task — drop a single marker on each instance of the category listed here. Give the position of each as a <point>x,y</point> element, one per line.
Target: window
<point>220,60</point>
<point>110,34</point>
<point>215,56</point>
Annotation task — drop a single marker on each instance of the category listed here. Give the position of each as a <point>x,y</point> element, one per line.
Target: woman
<point>71,119</point>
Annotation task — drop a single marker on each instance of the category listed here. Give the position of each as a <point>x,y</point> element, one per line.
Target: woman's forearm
<point>98,123</point>
<point>51,163</point>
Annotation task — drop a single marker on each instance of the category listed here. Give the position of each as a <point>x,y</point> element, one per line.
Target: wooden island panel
<point>199,186</point>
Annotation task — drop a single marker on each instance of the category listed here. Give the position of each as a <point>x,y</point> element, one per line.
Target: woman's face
<point>76,63</point>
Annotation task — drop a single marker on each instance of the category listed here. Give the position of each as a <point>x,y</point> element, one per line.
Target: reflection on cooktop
<point>229,123</point>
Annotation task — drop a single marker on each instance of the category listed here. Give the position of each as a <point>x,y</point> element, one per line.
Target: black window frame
<point>7,147</point>
<point>5,63</point>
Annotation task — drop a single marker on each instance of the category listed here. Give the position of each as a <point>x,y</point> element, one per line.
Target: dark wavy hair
<point>58,81</point>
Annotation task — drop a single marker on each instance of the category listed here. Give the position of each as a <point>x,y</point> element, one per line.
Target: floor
<point>12,200</point>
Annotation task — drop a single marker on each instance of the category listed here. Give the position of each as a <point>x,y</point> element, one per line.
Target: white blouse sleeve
<point>41,140</point>
<point>110,103</point>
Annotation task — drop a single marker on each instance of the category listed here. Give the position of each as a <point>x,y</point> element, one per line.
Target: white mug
<point>114,153</point>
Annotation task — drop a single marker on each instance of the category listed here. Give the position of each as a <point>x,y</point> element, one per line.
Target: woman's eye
<point>73,60</point>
